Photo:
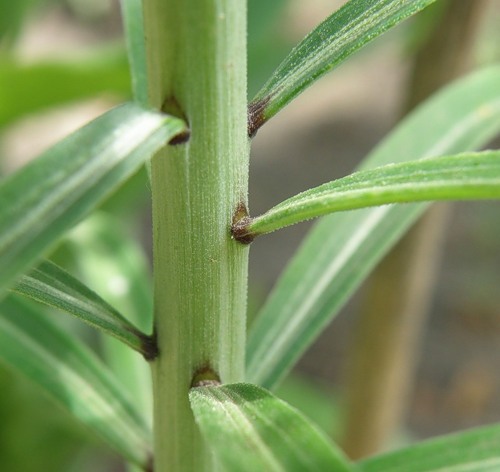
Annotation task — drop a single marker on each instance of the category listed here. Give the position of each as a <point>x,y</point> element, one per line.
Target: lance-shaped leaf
<point>250,429</point>
<point>12,17</point>
<point>53,286</point>
<point>342,248</point>
<point>340,35</point>
<point>110,261</point>
<point>133,22</point>
<point>31,344</point>
<point>470,176</point>
<point>22,90</point>
<point>468,451</point>
<point>54,192</point>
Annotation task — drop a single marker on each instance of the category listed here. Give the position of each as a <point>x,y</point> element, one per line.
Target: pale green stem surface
<point>197,69</point>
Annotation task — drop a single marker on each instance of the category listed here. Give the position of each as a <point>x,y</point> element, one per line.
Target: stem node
<point>150,349</point>
<point>239,227</point>
<point>256,116</point>
<point>171,107</point>
<point>204,377</point>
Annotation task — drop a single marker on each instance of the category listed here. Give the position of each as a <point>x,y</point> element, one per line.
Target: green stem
<point>197,70</point>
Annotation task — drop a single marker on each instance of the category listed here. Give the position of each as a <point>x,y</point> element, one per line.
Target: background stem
<point>197,70</point>
<point>384,351</point>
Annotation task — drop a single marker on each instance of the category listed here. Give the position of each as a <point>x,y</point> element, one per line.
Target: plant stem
<point>197,70</point>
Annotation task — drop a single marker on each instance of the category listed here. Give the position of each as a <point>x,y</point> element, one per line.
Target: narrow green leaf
<point>13,14</point>
<point>112,262</point>
<point>53,193</point>
<point>342,248</point>
<point>470,176</point>
<point>53,286</point>
<point>266,47</point>
<point>250,429</point>
<point>31,344</point>
<point>339,36</point>
<point>24,90</point>
<point>468,451</point>
<point>133,22</point>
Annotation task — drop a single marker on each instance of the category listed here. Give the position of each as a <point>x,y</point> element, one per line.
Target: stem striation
<point>197,70</point>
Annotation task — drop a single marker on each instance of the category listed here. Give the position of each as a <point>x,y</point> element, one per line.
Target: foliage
<point>428,156</point>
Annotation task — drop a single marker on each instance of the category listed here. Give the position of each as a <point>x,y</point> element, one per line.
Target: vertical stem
<point>400,290</point>
<point>197,70</point>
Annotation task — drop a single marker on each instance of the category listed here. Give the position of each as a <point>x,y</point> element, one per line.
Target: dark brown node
<point>239,226</point>
<point>150,465</point>
<point>180,138</point>
<point>149,346</point>
<point>171,107</point>
<point>256,116</point>
<point>205,377</point>
<point>241,234</point>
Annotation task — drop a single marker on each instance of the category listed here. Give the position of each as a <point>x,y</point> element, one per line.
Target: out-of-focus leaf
<point>471,176</point>
<point>109,260</point>
<point>44,427</point>
<point>250,429</point>
<point>469,451</point>
<point>266,46</point>
<point>262,16</point>
<point>11,17</point>
<point>53,286</point>
<point>134,35</point>
<point>30,88</point>
<point>319,403</point>
<point>351,27</point>
<point>67,371</point>
<point>341,249</point>
<point>54,192</point>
